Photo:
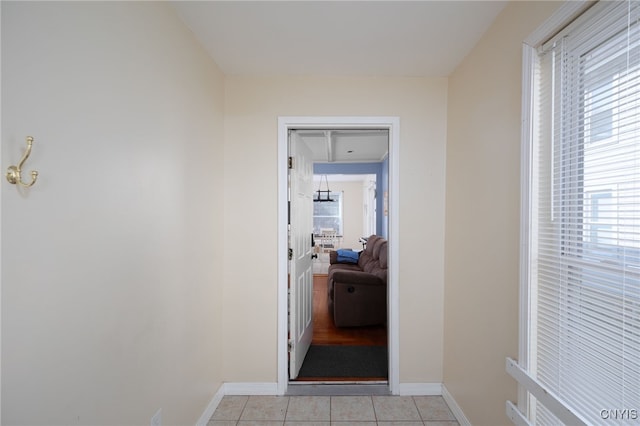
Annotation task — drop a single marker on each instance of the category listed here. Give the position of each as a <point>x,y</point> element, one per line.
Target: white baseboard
<point>211,408</point>
<point>241,388</point>
<point>455,408</point>
<point>420,389</point>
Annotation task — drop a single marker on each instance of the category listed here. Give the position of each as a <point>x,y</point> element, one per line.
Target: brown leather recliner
<point>358,292</point>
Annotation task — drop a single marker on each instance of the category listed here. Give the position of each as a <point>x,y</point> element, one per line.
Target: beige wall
<point>252,107</point>
<point>482,216</point>
<point>111,263</point>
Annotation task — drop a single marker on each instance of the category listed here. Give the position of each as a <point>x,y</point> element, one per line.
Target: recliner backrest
<point>383,258</point>
<point>367,253</point>
<point>371,243</point>
<point>378,259</point>
<point>376,249</point>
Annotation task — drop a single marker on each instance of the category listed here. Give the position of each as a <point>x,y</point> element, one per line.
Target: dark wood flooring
<point>326,333</point>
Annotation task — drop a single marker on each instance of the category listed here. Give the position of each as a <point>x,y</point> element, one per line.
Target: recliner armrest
<point>355,277</point>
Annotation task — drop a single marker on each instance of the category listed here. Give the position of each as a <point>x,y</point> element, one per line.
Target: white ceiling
<point>339,38</point>
<point>346,146</point>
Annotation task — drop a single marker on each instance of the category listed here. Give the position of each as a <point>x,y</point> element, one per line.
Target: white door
<point>300,252</point>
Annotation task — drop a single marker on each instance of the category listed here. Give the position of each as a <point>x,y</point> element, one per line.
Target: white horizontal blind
<point>585,242</point>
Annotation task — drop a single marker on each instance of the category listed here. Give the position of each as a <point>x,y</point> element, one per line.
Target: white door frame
<point>393,327</point>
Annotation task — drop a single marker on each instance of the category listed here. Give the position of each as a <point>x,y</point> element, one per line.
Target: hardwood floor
<point>326,333</point>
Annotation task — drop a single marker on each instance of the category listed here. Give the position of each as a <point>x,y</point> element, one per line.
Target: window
<point>598,218</point>
<point>598,111</point>
<point>584,240</point>
<point>328,214</point>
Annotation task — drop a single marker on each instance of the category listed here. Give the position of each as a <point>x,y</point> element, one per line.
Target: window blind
<point>584,239</point>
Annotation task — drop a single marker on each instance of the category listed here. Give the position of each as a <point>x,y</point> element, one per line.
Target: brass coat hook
<point>14,173</point>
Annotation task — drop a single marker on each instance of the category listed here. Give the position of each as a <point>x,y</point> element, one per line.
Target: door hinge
<point>290,254</point>
<point>290,345</point>
<point>290,162</point>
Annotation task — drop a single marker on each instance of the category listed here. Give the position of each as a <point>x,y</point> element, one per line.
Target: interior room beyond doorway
<point>350,185</point>
<point>343,222</point>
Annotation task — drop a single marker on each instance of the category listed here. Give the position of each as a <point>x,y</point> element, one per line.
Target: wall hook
<point>14,173</point>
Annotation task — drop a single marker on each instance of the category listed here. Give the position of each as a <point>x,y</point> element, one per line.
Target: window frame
<point>337,196</point>
<point>565,14</point>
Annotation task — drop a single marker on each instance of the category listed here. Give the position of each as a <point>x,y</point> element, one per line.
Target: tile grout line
<point>244,406</point>
<point>375,415</point>
<point>330,413</point>
<point>413,398</point>
<point>286,411</point>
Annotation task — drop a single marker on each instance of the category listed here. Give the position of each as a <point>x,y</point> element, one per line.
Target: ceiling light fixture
<point>319,197</point>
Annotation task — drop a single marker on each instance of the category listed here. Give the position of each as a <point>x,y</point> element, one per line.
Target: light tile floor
<point>333,410</point>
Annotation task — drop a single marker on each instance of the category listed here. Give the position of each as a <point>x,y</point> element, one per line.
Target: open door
<point>300,252</point>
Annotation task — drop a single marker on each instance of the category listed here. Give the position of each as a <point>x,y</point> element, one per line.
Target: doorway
<point>285,126</point>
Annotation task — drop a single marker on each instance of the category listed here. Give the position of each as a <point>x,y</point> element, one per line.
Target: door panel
<point>300,265</point>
